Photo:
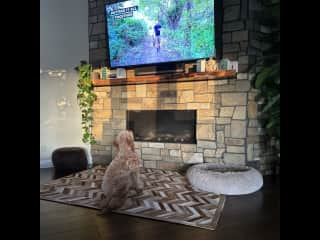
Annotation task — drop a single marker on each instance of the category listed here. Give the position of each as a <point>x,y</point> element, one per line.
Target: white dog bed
<point>225,179</point>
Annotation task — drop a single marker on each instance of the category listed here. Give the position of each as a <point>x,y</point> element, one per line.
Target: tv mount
<point>159,69</point>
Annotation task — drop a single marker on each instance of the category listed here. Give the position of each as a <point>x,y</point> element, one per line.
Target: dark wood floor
<point>255,216</point>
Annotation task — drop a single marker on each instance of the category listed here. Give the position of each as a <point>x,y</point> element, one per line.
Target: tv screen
<point>142,32</point>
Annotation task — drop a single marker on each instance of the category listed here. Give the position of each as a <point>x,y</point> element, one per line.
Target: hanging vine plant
<point>86,98</point>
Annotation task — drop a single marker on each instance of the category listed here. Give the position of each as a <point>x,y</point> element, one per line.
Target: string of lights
<point>53,73</point>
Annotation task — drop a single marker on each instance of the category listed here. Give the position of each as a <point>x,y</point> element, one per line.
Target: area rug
<point>167,196</point>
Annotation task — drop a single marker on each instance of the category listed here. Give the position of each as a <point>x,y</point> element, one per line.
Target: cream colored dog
<point>122,174</point>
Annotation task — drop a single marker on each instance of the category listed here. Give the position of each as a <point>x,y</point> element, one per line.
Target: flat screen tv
<point>144,32</point>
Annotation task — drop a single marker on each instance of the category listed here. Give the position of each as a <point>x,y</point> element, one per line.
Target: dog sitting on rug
<point>122,175</point>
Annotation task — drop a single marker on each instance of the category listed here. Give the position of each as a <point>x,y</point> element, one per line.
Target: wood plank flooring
<point>255,216</point>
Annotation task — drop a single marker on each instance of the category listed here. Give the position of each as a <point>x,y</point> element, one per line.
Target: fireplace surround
<point>226,129</point>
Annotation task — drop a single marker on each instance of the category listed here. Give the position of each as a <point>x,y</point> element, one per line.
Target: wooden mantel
<point>165,78</point>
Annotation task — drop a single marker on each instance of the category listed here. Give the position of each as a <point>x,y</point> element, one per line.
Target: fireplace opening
<point>170,126</point>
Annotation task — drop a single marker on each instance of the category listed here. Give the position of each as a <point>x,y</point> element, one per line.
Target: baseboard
<point>46,164</point>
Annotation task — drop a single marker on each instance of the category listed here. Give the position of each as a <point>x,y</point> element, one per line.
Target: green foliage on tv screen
<point>132,31</point>
<point>187,31</point>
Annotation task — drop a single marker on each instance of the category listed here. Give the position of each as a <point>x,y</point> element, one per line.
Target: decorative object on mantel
<point>131,74</point>
<point>186,68</point>
<point>201,65</point>
<point>189,67</point>
<point>224,64</point>
<point>233,66</point>
<point>121,73</point>
<point>104,73</point>
<point>211,65</point>
<point>95,74</point>
<point>112,73</point>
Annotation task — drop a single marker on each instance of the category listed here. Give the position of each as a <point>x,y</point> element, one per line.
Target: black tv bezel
<point>218,19</point>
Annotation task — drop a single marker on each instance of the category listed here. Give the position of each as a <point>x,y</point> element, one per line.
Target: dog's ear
<point>130,140</point>
<point>116,144</point>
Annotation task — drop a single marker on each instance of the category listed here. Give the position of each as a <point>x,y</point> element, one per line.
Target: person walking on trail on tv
<point>157,35</point>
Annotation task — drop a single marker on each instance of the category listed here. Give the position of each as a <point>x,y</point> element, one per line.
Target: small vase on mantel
<point>211,65</point>
<point>224,64</point>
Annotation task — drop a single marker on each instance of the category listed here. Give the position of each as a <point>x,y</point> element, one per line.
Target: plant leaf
<point>273,101</point>
<point>261,77</point>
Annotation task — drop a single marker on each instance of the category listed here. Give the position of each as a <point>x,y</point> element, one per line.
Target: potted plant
<point>267,79</point>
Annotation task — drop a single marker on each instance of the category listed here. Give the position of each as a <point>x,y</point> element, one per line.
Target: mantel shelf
<point>165,78</point>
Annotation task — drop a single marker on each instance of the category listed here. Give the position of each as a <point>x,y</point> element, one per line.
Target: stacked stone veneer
<point>228,129</point>
<point>226,126</point>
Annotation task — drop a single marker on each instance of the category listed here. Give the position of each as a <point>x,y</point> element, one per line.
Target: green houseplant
<point>267,79</point>
<point>86,98</point>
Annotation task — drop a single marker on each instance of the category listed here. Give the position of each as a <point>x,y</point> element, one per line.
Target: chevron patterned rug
<point>167,196</point>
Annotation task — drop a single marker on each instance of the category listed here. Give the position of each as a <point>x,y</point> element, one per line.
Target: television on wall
<point>145,32</point>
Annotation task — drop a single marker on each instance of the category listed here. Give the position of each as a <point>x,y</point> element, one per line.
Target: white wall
<point>63,43</point>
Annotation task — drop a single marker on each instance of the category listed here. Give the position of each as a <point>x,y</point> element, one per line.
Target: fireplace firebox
<point>170,126</point>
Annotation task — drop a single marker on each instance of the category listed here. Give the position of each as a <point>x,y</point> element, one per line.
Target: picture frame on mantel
<point>131,74</point>
<point>95,75</point>
<point>121,73</point>
<point>201,65</point>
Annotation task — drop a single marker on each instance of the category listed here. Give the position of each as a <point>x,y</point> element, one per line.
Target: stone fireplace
<point>224,112</point>
<point>227,129</point>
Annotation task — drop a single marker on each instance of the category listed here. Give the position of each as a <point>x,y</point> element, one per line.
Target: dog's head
<point>124,141</point>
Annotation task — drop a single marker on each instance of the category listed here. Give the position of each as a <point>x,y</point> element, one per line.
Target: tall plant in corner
<point>86,98</point>
<point>267,79</point>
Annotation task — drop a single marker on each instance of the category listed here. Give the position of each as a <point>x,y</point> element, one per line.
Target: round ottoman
<point>69,159</point>
<point>225,179</point>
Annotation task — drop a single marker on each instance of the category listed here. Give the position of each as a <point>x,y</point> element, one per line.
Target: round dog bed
<point>225,179</point>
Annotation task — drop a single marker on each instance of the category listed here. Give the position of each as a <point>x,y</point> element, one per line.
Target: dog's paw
<point>103,212</point>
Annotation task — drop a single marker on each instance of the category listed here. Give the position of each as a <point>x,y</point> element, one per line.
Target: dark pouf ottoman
<point>69,160</point>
